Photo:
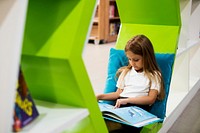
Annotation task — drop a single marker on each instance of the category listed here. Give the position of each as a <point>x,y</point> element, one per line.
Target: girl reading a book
<point>140,83</point>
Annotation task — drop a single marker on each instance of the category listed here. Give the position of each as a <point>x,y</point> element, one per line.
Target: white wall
<point>12,17</point>
<point>186,71</point>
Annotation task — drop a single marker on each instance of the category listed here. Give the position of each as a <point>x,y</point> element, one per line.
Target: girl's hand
<point>97,97</point>
<point>120,102</point>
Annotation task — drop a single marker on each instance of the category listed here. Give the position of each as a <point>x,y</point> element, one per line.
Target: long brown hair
<point>142,46</point>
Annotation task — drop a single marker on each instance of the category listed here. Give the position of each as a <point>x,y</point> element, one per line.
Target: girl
<point>140,83</point>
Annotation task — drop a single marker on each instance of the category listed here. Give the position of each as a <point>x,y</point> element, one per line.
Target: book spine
<point>112,11</point>
<point>112,29</point>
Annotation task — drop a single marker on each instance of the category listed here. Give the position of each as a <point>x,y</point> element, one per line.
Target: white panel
<point>54,118</point>
<point>194,64</point>
<point>185,7</point>
<point>186,68</point>
<point>190,101</point>
<point>194,28</point>
<point>180,76</point>
<point>11,34</point>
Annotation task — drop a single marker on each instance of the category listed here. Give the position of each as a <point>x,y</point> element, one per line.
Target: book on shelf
<point>133,115</point>
<point>25,110</point>
<point>114,28</point>
<point>112,11</point>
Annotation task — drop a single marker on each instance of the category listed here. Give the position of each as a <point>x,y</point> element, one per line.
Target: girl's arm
<point>143,100</point>
<point>109,96</point>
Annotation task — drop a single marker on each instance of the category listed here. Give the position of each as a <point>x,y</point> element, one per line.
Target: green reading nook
<point>52,59</point>
<point>51,37</point>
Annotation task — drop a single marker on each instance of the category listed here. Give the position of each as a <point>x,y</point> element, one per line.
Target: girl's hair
<point>142,46</point>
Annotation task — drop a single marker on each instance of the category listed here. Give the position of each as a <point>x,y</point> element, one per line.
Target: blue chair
<point>117,59</point>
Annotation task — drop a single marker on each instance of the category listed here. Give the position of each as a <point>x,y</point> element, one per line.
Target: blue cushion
<point>117,59</point>
<point>165,63</point>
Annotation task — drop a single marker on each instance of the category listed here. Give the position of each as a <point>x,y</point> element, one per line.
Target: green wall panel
<point>163,37</point>
<point>159,20</point>
<point>152,18</point>
<point>163,12</point>
<point>55,34</point>
<point>51,26</point>
<point>49,81</point>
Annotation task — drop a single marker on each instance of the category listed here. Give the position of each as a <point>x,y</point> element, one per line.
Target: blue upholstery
<point>165,63</point>
<point>118,59</point>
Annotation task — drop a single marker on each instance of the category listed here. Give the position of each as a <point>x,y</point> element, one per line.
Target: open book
<point>133,115</point>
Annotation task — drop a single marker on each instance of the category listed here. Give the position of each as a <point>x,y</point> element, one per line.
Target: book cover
<point>112,11</point>
<point>112,29</point>
<point>25,110</point>
<point>133,115</point>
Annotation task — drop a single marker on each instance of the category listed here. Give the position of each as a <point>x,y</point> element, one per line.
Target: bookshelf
<point>114,21</point>
<point>106,22</point>
<point>42,37</point>
<point>186,67</point>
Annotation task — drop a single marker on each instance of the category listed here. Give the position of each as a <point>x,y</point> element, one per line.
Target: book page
<point>132,115</point>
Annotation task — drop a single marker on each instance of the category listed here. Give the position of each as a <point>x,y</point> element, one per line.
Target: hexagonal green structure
<point>159,20</point>
<point>55,34</point>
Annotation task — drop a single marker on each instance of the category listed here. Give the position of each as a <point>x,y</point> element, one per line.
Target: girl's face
<point>135,60</point>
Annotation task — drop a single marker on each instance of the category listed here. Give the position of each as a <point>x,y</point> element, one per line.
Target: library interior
<point>55,57</point>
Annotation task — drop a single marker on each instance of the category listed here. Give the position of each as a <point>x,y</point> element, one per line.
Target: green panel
<point>152,128</point>
<point>163,12</point>
<point>51,80</point>
<point>55,25</point>
<point>52,62</point>
<point>44,19</point>
<point>159,20</point>
<point>164,38</point>
<point>81,76</point>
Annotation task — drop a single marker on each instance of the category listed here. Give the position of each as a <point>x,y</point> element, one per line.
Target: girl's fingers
<point>117,105</point>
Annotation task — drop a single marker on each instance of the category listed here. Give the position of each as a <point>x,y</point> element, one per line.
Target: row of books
<point>113,11</point>
<point>114,28</point>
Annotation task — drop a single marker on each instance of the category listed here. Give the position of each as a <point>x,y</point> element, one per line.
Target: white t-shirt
<point>136,84</point>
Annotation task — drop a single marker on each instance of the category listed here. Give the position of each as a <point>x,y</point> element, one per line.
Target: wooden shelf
<point>112,38</point>
<point>96,20</point>
<point>114,18</point>
<point>106,22</point>
<point>54,118</point>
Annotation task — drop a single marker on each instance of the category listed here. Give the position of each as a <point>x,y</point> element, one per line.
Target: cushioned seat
<point>117,59</point>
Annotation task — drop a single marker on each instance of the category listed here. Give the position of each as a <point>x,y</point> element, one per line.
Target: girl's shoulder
<point>120,71</point>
